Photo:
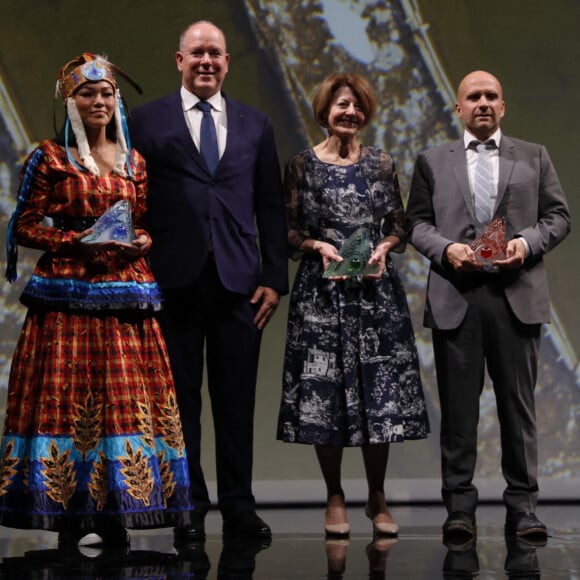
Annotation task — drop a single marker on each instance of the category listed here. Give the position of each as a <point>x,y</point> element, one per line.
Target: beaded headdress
<point>91,68</point>
<point>83,69</point>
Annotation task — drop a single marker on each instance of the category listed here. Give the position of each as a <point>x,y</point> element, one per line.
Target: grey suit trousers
<point>491,337</point>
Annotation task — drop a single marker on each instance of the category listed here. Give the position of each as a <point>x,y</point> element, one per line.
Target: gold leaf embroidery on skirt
<point>171,423</point>
<point>7,468</point>
<point>144,417</point>
<point>138,475</point>
<point>88,420</point>
<point>98,485</point>
<point>59,475</point>
<point>26,472</point>
<point>166,477</point>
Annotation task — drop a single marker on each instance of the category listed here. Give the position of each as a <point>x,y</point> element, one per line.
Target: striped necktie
<point>482,181</point>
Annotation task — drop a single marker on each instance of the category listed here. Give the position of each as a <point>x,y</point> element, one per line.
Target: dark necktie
<point>208,137</point>
<point>482,181</point>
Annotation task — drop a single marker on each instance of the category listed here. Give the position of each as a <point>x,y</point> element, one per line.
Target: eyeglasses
<point>200,54</point>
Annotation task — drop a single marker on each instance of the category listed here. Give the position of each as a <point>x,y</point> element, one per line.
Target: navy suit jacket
<point>440,211</point>
<point>240,207</point>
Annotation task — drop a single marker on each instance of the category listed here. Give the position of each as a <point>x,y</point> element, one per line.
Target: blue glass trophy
<point>114,225</point>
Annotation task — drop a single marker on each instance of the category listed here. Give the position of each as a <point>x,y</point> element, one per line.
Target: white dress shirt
<point>193,117</point>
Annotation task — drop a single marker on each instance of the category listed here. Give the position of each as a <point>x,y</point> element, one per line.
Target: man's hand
<point>462,258</point>
<point>515,255</point>
<point>269,299</point>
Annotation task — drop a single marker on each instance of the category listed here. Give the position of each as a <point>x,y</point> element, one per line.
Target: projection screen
<point>414,53</point>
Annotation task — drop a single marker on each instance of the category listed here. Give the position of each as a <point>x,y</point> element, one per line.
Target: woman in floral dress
<point>92,439</point>
<point>351,372</point>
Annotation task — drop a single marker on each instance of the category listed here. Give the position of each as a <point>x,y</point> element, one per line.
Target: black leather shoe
<point>71,536</point>
<point>114,536</point>
<point>461,561</point>
<point>191,534</point>
<point>459,523</point>
<point>238,557</point>
<point>524,524</point>
<point>459,542</point>
<point>522,559</point>
<point>195,557</point>
<point>246,524</point>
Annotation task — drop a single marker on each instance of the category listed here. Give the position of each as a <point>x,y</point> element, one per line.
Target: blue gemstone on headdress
<point>93,71</point>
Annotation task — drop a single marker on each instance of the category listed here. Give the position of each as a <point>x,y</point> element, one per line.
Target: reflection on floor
<point>299,550</point>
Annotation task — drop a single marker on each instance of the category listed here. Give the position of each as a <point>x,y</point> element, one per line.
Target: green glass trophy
<point>356,252</point>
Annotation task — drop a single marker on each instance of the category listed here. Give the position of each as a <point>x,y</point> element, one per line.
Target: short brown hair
<point>327,89</point>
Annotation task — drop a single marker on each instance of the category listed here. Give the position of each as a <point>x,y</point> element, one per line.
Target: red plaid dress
<point>92,429</point>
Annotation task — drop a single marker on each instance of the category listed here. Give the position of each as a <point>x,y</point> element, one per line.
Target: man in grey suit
<point>486,316</point>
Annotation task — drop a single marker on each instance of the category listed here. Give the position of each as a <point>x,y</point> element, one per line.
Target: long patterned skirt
<point>92,432</point>
<point>351,368</point>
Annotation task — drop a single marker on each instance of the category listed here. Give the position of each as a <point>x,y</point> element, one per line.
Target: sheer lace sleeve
<point>393,223</point>
<point>293,192</point>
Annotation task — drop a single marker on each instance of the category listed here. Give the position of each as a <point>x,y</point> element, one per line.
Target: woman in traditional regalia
<point>92,439</point>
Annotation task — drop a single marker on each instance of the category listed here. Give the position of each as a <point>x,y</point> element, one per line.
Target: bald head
<point>202,59</point>
<point>475,79</point>
<point>480,104</point>
<point>204,25</point>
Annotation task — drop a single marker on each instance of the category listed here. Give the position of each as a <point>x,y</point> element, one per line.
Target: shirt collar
<point>189,100</point>
<point>468,138</point>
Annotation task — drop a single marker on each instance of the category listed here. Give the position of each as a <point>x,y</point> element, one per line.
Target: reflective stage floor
<point>299,550</point>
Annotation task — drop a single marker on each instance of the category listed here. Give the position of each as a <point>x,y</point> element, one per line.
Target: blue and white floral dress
<point>351,371</point>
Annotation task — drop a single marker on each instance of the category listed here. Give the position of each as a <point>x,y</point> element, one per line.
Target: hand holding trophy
<point>491,245</point>
<point>115,225</point>
<point>356,253</point>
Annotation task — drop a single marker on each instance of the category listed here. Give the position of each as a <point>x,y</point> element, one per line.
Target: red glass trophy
<point>490,245</point>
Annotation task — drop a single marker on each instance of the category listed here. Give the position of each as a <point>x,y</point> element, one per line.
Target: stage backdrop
<point>414,53</point>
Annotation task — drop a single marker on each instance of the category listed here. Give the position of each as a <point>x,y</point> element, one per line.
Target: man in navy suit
<point>219,254</point>
<point>488,317</point>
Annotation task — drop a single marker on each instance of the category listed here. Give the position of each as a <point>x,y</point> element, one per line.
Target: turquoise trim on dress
<point>112,447</point>
<point>37,462</point>
<point>72,294</point>
<point>23,195</point>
